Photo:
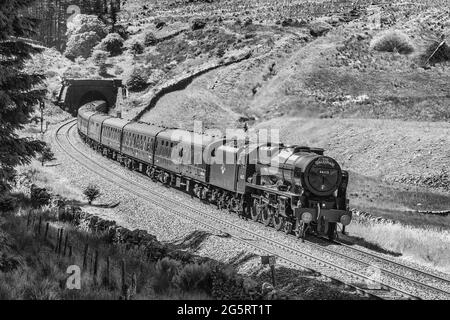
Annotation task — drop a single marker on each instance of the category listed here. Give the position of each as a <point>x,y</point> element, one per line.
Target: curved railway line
<point>394,280</point>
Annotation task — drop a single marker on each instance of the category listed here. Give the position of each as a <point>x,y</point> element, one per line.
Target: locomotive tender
<point>294,188</point>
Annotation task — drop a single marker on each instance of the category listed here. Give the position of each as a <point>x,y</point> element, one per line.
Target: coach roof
<point>143,128</point>
<point>179,135</point>
<point>115,123</point>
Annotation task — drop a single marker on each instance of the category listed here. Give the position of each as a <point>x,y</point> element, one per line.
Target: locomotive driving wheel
<point>266,216</point>
<point>255,211</point>
<point>279,222</point>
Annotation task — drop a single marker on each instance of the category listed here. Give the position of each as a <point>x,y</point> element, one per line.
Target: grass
<point>32,270</point>
<point>427,246</point>
<point>47,178</point>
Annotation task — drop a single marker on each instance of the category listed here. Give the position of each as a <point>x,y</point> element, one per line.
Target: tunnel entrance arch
<point>76,92</point>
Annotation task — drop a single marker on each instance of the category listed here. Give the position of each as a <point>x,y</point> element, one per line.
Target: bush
<point>137,48</point>
<point>198,24</point>
<point>46,155</point>
<point>39,196</point>
<point>122,31</point>
<point>83,33</point>
<point>393,41</point>
<point>91,192</point>
<point>7,203</point>
<point>112,43</point>
<point>83,23</point>
<point>99,58</point>
<point>194,277</point>
<point>150,39</point>
<point>436,54</point>
<point>81,45</point>
<point>159,24</point>
<point>137,80</point>
<point>165,270</point>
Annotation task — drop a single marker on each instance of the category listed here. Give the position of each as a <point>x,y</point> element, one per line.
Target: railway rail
<point>390,284</point>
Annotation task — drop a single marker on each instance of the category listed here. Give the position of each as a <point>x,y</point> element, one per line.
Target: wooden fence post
<point>57,241</point>
<point>108,271</point>
<point>124,282</point>
<point>46,230</point>
<point>28,218</point>
<point>40,224</point>
<point>133,284</point>
<point>65,244</point>
<point>86,248</point>
<point>60,241</point>
<point>95,267</point>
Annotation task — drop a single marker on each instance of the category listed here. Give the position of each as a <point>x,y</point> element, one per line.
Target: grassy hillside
<point>313,73</point>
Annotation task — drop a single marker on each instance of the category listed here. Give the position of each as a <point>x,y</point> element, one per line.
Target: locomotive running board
<point>274,190</point>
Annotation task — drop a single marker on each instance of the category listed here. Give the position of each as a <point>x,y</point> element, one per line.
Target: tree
<point>39,196</point>
<point>46,155</point>
<point>91,192</point>
<point>18,90</point>
<point>113,14</point>
<point>84,33</point>
<point>113,43</point>
<point>99,58</point>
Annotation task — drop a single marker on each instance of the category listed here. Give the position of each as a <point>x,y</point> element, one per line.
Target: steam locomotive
<point>295,189</point>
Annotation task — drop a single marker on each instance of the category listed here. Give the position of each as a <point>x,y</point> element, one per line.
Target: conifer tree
<point>18,93</point>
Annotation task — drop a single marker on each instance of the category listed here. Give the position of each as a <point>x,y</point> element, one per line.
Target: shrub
<point>46,155</point>
<point>436,53</point>
<point>393,41</point>
<point>159,24</point>
<point>112,43</point>
<point>83,33</point>
<point>194,277</point>
<point>137,48</point>
<point>99,58</point>
<point>83,23</point>
<point>81,45</point>
<point>122,31</point>
<point>150,39</point>
<point>39,196</point>
<point>7,203</point>
<point>91,192</point>
<point>198,24</point>
<point>137,80</point>
<point>165,270</point>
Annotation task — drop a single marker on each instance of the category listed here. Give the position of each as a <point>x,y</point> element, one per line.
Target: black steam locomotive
<point>292,188</point>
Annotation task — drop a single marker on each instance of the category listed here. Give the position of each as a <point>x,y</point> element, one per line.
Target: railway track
<point>388,284</point>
